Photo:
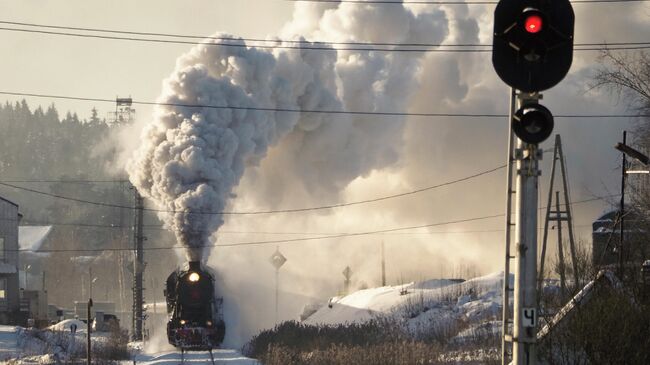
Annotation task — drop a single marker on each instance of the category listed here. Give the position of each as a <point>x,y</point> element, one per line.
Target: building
<point>606,238</point>
<point>34,301</point>
<point>9,264</point>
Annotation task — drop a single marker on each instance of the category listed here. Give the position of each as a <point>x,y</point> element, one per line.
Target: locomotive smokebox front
<point>195,266</point>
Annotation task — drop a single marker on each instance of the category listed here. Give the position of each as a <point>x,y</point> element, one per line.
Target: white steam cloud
<point>191,158</point>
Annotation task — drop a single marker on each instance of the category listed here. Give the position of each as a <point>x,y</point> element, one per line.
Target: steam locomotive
<point>195,314</point>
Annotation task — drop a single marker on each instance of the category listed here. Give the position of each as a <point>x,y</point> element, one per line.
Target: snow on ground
<point>430,304</point>
<point>221,356</point>
<point>66,325</point>
<point>462,310</point>
<point>463,313</point>
<point>20,346</point>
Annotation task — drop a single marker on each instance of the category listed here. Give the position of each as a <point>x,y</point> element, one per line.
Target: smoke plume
<point>197,147</point>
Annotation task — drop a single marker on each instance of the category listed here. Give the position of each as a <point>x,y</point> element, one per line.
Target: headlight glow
<point>208,323</point>
<point>194,277</point>
<point>182,321</point>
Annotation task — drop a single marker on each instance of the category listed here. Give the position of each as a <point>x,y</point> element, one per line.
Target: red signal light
<point>533,23</point>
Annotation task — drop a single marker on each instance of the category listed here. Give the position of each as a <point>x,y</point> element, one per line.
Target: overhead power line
<point>631,46</point>
<point>312,111</point>
<point>294,210</point>
<point>292,240</point>
<point>252,243</point>
<point>29,222</point>
<point>278,43</point>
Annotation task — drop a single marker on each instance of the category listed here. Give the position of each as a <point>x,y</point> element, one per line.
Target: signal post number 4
<point>529,317</point>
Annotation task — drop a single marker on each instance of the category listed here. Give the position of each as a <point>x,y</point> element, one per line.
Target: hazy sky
<point>427,151</point>
<point>106,68</point>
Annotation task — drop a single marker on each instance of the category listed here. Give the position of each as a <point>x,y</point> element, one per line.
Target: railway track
<point>177,357</point>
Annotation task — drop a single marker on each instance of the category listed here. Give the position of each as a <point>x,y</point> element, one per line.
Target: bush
<point>301,337</point>
<point>387,353</point>
<point>115,348</point>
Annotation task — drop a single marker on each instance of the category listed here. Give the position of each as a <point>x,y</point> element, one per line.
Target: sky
<point>303,167</point>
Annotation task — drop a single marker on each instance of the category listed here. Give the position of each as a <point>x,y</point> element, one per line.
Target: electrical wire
<point>252,243</point>
<point>160,226</point>
<point>311,111</point>
<point>293,210</point>
<point>282,41</point>
<point>317,48</point>
<point>291,240</point>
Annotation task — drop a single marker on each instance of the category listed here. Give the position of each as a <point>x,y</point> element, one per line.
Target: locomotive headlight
<point>194,277</point>
<point>208,323</point>
<point>182,321</point>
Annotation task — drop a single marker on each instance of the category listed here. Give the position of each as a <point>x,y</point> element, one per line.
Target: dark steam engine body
<point>195,314</point>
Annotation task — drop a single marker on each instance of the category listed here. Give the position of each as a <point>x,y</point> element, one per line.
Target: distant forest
<point>42,151</point>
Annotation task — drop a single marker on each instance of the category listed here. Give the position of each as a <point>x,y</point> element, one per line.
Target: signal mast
<point>532,51</point>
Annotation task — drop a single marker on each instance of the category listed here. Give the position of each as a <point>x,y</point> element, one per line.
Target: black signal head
<point>532,123</point>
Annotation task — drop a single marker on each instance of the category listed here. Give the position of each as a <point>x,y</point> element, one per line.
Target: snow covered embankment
<point>448,309</point>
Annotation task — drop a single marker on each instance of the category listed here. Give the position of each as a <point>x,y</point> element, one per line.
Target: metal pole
<point>138,267</point>
<point>560,251</point>
<point>548,215</point>
<point>277,285</point>
<point>622,216</point>
<point>383,265</point>
<point>508,221</point>
<point>569,217</point>
<point>88,331</point>
<point>90,280</point>
<point>525,301</point>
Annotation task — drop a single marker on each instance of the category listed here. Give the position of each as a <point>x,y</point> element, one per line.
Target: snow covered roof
<point>32,237</point>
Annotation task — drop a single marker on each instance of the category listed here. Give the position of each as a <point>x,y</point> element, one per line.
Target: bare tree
<point>627,75</point>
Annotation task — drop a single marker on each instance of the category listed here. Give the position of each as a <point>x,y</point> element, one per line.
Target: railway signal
<point>532,51</point>
<point>532,47</point>
<point>532,123</point>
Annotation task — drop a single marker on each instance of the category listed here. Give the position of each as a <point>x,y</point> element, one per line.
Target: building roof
<point>31,238</point>
<point>9,201</point>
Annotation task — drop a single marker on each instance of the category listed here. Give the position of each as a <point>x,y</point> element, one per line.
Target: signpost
<point>347,273</point>
<point>277,260</point>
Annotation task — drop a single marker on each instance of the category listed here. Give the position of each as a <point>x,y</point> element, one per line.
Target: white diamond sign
<point>277,259</point>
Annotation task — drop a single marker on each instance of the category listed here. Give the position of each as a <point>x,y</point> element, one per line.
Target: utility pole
<point>644,159</point>
<point>88,331</point>
<point>383,264</point>
<point>138,269</point>
<point>621,245</point>
<point>124,114</point>
<point>560,251</point>
<point>558,216</point>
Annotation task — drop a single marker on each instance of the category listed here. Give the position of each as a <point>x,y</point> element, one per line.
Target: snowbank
<point>66,325</point>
